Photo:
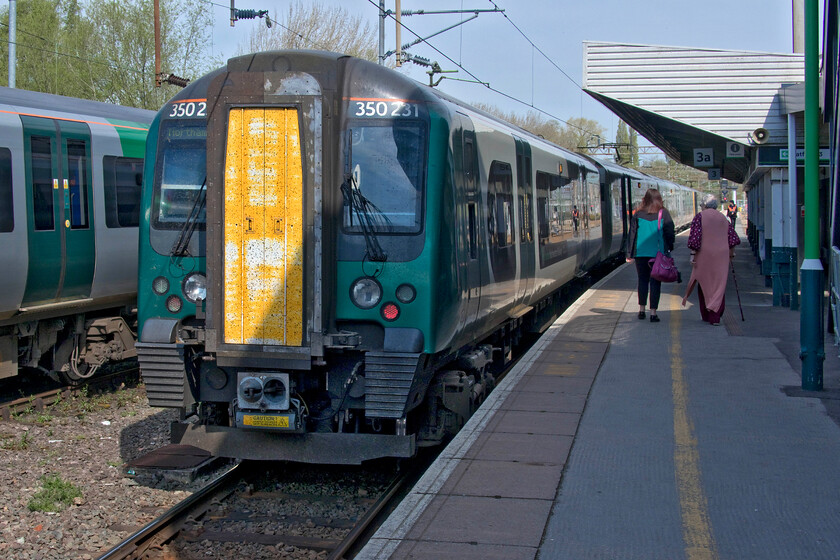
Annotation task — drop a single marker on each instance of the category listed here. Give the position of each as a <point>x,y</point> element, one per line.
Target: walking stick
<point>737,292</point>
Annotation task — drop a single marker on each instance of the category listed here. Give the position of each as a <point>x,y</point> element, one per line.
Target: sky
<point>497,48</point>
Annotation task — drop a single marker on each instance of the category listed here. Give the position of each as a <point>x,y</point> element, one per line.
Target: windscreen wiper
<point>369,217</point>
<point>183,242</point>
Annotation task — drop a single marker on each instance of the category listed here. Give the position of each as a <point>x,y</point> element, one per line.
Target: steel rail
<point>140,541</point>
<point>40,401</point>
<point>370,515</point>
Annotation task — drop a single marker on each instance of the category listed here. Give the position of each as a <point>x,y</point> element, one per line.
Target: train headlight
<point>406,293</point>
<point>366,293</point>
<point>174,304</point>
<point>195,287</point>
<point>160,285</point>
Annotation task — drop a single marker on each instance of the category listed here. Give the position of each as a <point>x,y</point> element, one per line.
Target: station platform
<point>617,438</point>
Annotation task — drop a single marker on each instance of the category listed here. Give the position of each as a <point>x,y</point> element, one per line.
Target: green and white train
<point>70,176</point>
<point>335,258</point>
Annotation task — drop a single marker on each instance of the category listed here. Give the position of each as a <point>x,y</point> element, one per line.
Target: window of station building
<point>123,178</point>
<point>7,217</point>
<point>500,203</point>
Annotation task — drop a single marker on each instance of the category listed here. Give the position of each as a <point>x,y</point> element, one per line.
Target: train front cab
<point>311,268</point>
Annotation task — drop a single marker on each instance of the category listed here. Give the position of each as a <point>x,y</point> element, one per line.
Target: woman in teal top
<point>649,234</point>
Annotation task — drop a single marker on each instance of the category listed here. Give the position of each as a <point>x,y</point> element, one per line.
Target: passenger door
<point>473,220</point>
<point>59,210</point>
<point>525,204</point>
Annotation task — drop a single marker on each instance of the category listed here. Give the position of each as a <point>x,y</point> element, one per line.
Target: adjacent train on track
<point>70,179</point>
<point>334,256</point>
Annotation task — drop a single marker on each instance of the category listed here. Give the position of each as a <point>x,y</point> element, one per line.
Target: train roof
<point>50,102</point>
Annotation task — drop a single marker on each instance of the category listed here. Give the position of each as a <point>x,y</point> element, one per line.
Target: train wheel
<point>76,371</point>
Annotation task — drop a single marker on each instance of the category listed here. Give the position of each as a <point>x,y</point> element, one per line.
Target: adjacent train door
<point>59,210</point>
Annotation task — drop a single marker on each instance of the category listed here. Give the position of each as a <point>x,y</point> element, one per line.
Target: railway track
<point>281,510</point>
<point>38,402</point>
<point>276,511</point>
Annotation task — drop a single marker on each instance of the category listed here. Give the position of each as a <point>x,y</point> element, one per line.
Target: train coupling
<point>264,402</point>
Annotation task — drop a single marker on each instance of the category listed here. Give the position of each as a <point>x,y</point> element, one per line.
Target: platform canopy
<point>705,108</point>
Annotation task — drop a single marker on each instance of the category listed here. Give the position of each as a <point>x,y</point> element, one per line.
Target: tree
<point>104,49</point>
<point>581,133</point>
<point>627,146</point>
<point>122,71</point>
<point>533,121</point>
<point>313,25</point>
<point>576,135</point>
<point>634,149</point>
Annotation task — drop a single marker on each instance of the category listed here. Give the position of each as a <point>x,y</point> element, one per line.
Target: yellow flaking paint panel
<point>263,230</point>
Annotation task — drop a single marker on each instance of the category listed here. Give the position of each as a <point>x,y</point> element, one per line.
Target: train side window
<point>123,178</point>
<point>7,217</point>
<point>500,208</point>
<point>472,226</point>
<point>42,188</point>
<point>77,177</point>
<point>469,162</point>
<point>525,219</point>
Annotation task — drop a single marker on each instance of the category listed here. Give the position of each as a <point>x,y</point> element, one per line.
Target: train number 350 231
<point>385,109</point>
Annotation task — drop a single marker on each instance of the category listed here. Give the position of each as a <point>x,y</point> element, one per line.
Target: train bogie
<point>336,260</point>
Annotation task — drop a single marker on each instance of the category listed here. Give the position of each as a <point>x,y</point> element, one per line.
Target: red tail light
<point>390,311</point>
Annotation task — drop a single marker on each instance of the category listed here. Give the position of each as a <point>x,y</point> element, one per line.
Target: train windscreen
<point>181,174</point>
<point>386,174</point>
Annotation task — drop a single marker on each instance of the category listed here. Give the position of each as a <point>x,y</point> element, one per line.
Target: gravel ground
<point>84,441</point>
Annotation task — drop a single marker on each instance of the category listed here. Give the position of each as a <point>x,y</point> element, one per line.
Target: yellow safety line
<point>697,531</point>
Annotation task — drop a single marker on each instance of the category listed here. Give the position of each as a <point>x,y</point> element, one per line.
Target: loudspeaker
<point>760,135</point>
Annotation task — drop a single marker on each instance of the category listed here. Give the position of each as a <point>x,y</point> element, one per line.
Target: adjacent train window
<point>183,172</point>
<point>42,184</point>
<point>123,178</point>
<point>77,183</point>
<point>385,164</point>
<point>7,217</point>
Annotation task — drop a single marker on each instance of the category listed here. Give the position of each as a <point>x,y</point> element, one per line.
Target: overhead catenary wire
<point>314,43</point>
<point>486,83</point>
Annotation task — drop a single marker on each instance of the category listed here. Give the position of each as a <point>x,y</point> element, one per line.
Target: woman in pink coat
<point>712,243</point>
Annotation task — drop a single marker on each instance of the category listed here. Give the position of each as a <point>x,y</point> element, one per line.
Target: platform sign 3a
<point>704,157</point>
